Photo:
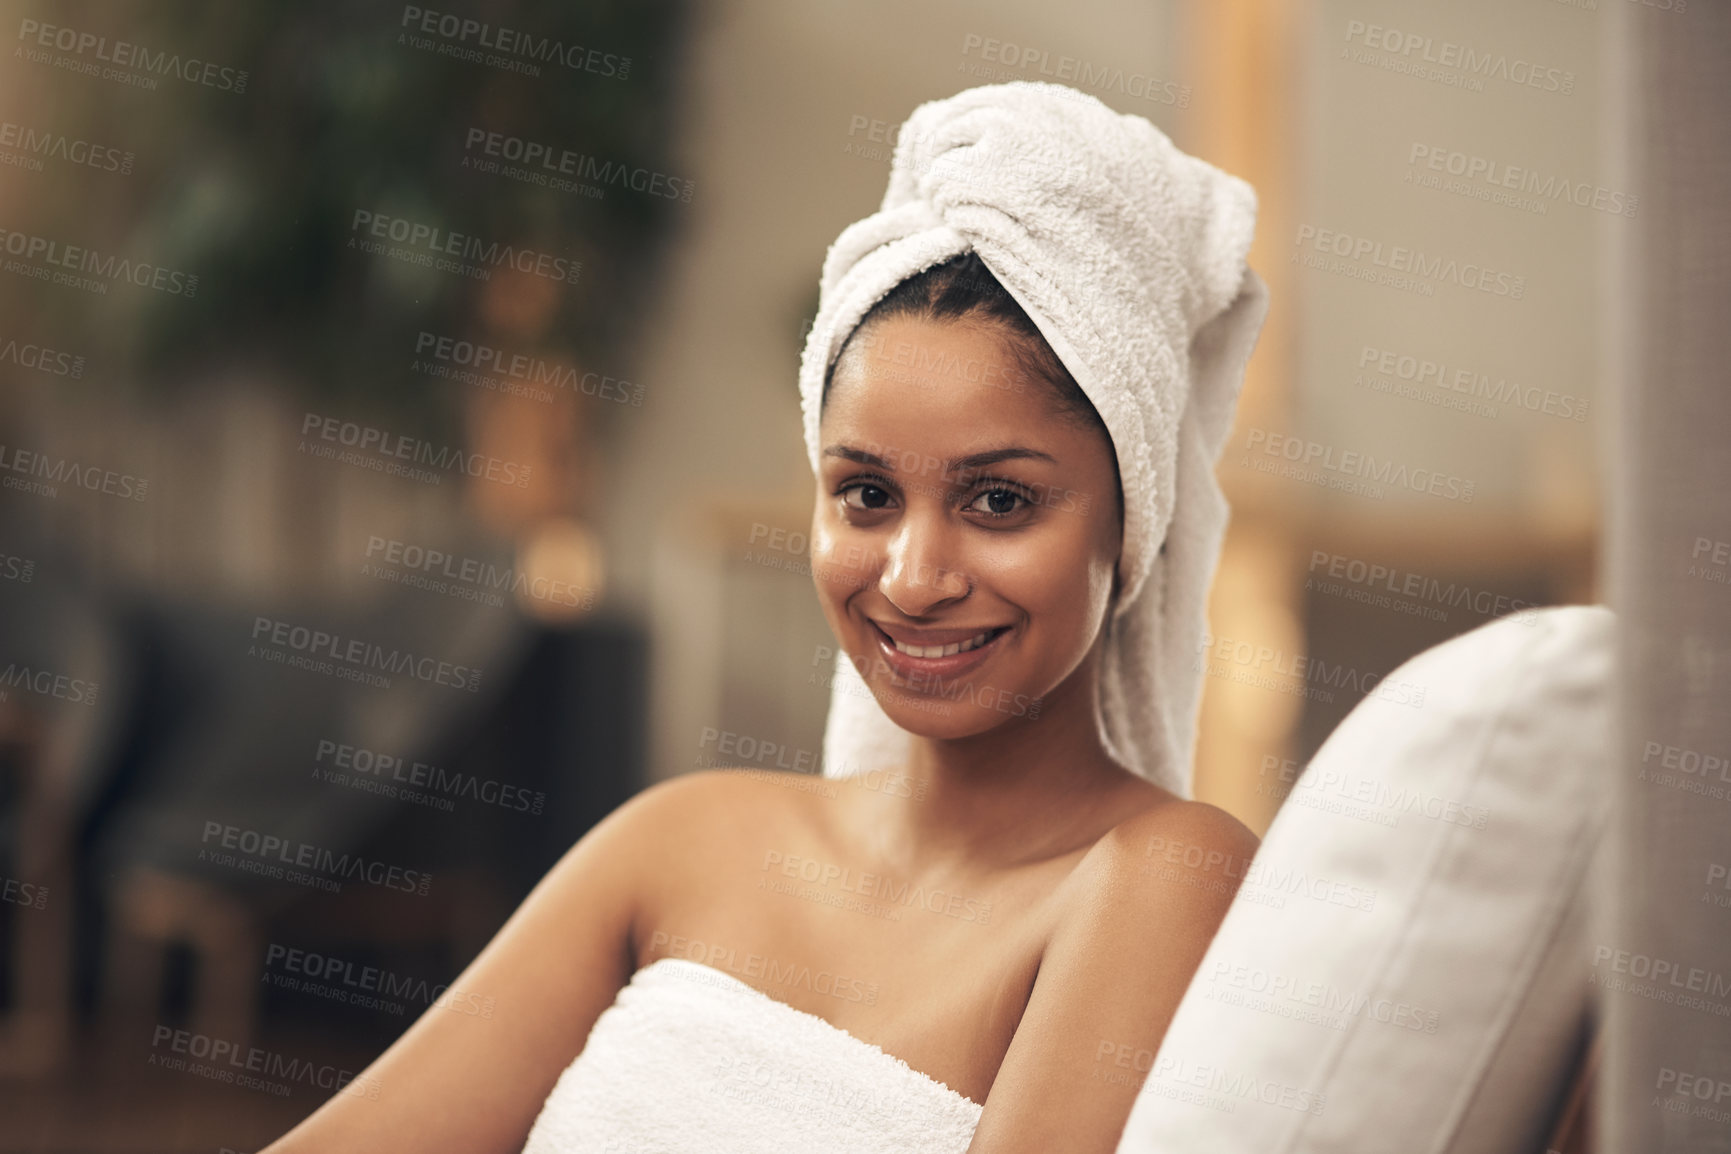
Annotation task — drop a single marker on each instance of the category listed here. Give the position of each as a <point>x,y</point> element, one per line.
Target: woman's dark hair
<point>964,287</point>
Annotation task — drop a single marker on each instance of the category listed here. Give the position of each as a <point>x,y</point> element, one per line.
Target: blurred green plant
<point>351,107</point>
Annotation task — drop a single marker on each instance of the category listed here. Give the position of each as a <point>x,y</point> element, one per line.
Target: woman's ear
<point>1112,601</point>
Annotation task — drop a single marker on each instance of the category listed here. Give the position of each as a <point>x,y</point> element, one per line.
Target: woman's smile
<point>922,654</point>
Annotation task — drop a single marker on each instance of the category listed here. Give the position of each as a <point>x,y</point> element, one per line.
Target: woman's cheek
<point>839,563</point>
<point>1026,569</point>
<point>1039,573</point>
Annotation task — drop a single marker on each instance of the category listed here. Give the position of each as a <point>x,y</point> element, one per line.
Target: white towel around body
<point>690,1058</point>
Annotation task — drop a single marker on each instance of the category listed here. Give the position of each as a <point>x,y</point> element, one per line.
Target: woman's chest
<point>935,969</point>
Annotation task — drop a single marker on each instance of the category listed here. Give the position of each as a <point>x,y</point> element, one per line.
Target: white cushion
<point>1405,964</point>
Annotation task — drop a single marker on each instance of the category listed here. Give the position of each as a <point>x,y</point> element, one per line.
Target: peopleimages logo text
<point>523,367</point>
<point>60,255</point>
<point>1413,262</point>
<point>434,241</point>
<point>360,654</point>
<point>28,355</point>
<point>553,158</point>
<point>276,850</point>
<point>33,143</point>
<point>127,55</point>
<point>404,447</point>
<point>1471,61</point>
<point>53,471</point>
<point>461,31</point>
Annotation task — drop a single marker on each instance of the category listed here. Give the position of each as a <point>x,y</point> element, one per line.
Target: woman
<point>1019,379</point>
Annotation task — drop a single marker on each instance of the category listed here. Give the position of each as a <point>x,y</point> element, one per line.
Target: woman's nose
<point>919,573</point>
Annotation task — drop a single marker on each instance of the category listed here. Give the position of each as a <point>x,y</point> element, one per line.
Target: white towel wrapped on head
<point>1129,256</point>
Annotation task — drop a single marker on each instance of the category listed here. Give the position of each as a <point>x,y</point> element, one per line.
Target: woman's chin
<point>940,720</point>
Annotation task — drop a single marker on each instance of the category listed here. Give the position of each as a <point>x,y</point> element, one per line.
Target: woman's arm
<point>1145,903</point>
<point>461,1082</point>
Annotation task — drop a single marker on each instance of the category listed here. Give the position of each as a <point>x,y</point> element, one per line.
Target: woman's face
<point>965,534</point>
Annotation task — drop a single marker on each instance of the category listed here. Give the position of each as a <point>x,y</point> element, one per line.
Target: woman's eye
<point>998,502</point>
<point>865,497</point>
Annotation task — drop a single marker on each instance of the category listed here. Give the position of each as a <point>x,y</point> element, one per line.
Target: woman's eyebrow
<point>956,464</point>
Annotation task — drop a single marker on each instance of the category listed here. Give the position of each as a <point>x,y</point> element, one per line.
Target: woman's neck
<point>1022,792</point>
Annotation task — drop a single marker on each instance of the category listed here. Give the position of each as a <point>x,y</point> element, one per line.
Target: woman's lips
<point>914,669</point>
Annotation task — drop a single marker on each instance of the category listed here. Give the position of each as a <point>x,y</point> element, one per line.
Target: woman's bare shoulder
<point>692,796</point>
<point>681,815</point>
<point>1168,855</point>
<point>1173,830</point>
<point>1146,901</point>
<point>1163,853</point>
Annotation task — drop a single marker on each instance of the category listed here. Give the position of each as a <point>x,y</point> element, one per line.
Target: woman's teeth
<point>944,650</point>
